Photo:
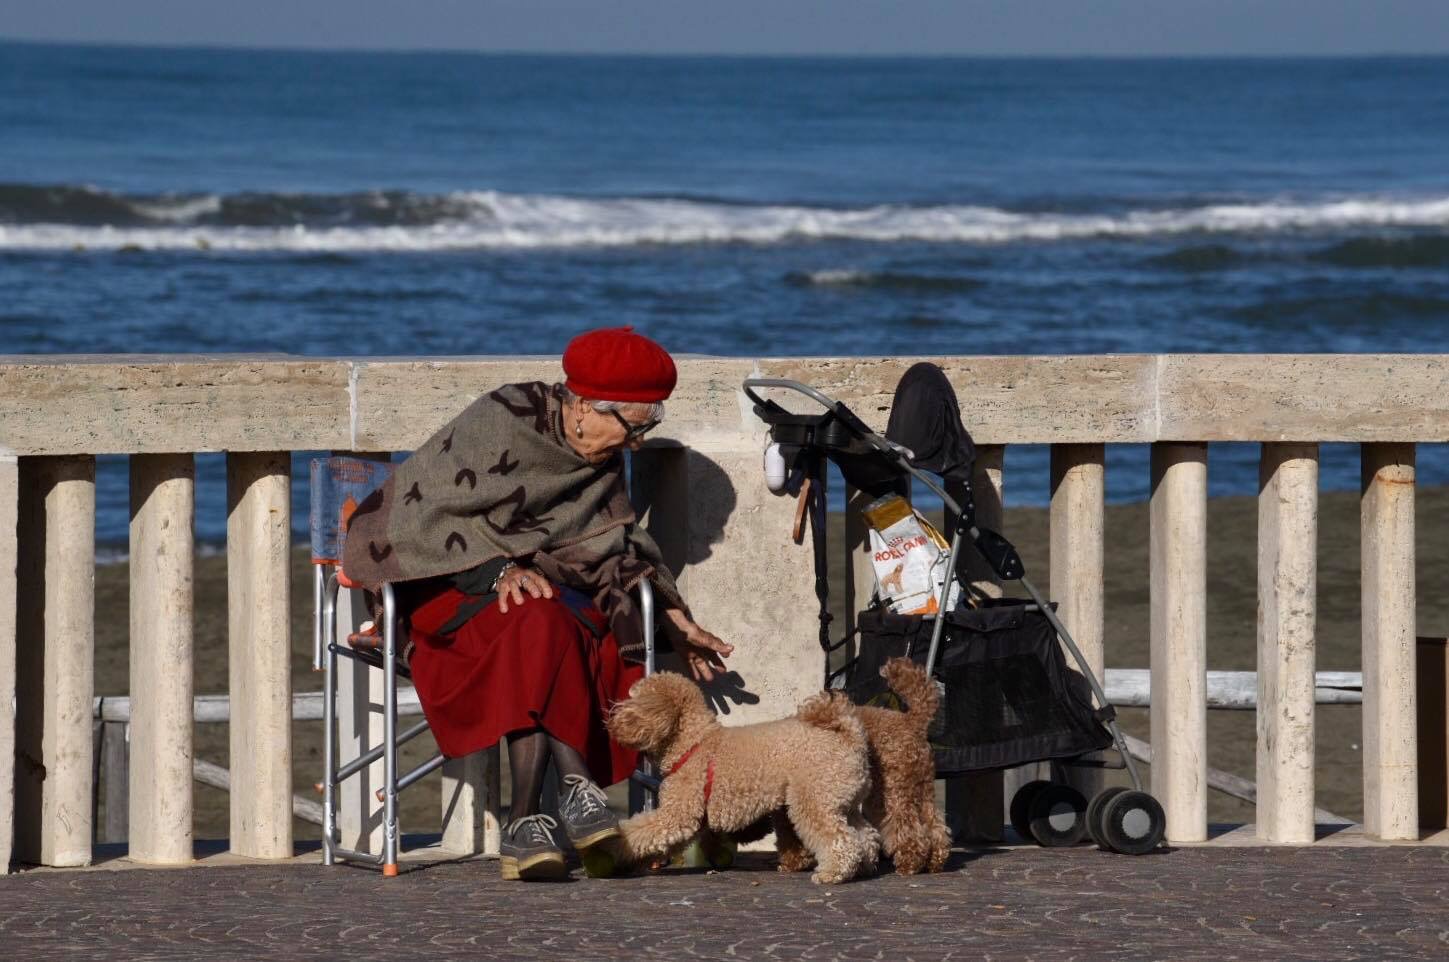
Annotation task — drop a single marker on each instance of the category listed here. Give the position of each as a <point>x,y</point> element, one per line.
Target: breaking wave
<point>75,217</point>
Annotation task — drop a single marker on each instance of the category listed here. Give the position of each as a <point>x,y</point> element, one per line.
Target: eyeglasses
<point>633,432</point>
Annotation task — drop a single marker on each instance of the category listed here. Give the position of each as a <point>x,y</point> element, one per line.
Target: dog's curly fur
<point>901,802</point>
<point>810,771</point>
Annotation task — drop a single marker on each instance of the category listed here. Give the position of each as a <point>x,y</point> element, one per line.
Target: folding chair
<point>339,484</point>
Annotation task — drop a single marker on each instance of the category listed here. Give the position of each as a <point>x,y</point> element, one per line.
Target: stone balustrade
<point>700,490</point>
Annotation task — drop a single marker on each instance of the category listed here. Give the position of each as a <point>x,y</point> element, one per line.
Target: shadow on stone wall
<point>686,500</point>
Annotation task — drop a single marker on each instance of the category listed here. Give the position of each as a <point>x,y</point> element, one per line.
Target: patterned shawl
<point>500,481</point>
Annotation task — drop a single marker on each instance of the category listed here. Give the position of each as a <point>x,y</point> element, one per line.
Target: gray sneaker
<point>585,812</point>
<point>528,852</point>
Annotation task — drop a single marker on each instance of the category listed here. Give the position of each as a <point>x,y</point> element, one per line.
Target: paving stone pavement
<point>1015,903</point>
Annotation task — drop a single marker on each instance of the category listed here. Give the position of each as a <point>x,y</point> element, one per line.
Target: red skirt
<point>537,666</point>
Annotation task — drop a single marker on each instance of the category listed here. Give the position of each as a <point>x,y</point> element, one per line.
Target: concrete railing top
<point>101,404</point>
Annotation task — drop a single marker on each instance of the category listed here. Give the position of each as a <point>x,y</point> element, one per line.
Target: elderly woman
<point>514,547</point>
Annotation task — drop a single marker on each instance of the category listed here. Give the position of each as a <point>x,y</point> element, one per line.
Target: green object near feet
<point>708,851</point>
<point>601,860</point>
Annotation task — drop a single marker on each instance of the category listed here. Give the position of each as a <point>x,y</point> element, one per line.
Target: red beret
<point>615,364</point>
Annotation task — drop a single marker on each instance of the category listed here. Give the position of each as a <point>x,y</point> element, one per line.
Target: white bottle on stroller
<point>775,472</point>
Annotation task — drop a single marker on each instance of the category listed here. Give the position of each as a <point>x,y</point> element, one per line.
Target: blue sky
<point>965,27</point>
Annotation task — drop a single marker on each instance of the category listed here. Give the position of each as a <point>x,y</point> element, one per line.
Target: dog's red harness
<point>708,772</point>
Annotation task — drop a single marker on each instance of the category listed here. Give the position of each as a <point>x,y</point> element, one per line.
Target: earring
<point>578,429</point>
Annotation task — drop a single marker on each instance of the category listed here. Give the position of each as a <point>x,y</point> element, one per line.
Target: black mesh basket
<point>1009,697</point>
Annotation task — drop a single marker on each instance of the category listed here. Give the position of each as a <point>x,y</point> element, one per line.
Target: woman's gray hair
<point>656,408</point>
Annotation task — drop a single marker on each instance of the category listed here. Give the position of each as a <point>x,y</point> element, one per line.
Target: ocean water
<point>159,200</point>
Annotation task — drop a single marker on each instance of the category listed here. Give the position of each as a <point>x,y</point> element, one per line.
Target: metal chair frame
<point>333,775</point>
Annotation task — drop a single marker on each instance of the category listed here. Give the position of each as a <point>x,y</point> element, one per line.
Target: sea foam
<point>399,221</point>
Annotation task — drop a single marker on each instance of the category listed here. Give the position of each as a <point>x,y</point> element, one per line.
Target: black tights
<point>528,755</point>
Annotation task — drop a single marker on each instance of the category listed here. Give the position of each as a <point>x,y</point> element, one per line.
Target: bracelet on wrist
<point>507,567</point>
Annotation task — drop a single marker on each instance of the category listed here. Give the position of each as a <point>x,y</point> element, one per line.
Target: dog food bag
<point>909,556</point>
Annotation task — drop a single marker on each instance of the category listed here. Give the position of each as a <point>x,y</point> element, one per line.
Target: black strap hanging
<point>817,509</point>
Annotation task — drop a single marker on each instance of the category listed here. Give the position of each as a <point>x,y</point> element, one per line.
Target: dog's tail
<point>910,681</point>
<point>833,712</point>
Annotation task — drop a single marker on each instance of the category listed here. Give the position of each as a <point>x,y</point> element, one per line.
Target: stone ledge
<point>99,404</point>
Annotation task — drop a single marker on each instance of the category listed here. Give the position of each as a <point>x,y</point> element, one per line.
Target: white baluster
<point>1078,474</point>
<point>258,539</point>
<point>1179,637</point>
<point>1287,621</point>
<point>1390,743</point>
<point>162,553</point>
<point>9,555</point>
<point>55,668</point>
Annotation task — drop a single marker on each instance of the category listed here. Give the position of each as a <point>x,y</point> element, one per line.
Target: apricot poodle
<point>809,771</point>
<point>901,802</point>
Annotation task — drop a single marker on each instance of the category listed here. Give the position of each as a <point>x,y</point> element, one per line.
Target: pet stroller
<point>1009,697</point>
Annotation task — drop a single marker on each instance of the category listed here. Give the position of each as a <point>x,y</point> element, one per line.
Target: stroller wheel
<point>1133,823</point>
<point>1094,814</point>
<point>1058,816</point>
<point>1021,808</point>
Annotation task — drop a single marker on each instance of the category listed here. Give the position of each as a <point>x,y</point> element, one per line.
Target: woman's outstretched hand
<point>703,652</point>
<point>518,582</point>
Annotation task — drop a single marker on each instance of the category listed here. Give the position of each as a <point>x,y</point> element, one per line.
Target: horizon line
<point>208,45</point>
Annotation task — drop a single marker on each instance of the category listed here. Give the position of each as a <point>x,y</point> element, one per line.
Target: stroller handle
<point>849,418</point>
<point>766,382</point>
<point>838,408</point>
